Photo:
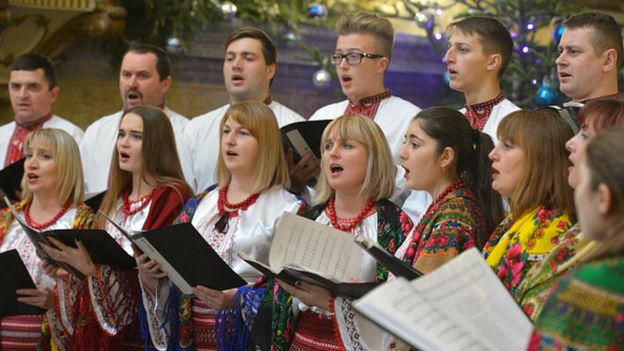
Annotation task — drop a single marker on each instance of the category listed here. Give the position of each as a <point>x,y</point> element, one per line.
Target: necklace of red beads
<point>347,224</point>
<point>40,226</point>
<point>131,208</point>
<point>232,208</point>
<point>228,210</point>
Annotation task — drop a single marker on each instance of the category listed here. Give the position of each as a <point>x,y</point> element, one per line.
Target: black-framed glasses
<point>353,58</point>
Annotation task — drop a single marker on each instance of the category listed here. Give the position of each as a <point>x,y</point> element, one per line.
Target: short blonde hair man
<point>379,180</point>
<point>271,167</point>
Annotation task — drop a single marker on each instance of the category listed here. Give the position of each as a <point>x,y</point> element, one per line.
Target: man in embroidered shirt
<point>32,91</point>
<point>479,49</point>
<point>249,68</point>
<point>362,57</point>
<point>590,56</point>
<point>144,78</point>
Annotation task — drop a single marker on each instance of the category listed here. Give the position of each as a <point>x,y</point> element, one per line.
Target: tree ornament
<point>228,9</point>
<point>558,33</point>
<point>316,10</point>
<point>322,79</point>
<point>424,20</point>
<point>546,95</point>
<point>447,78</point>
<point>173,45</point>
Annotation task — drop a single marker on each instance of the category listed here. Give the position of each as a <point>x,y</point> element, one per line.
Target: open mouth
<point>564,75</point>
<point>238,79</point>
<point>124,156</point>
<point>346,79</point>
<point>231,153</point>
<point>407,172</point>
<point>495,172</point>
<point>335,169</point>
<point>32,176</point>
<point>133,97</point>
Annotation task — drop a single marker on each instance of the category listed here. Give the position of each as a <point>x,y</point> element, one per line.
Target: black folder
<point>13,276</point>
<point>291,275</point>
<point>100,245</point>
<point>311,133</point>
<point>386,259</point>
<point>185,256</point>
<point>95,200</point>
<point>11,180</point>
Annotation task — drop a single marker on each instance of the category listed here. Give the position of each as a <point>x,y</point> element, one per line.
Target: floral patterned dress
<point>517,245</point>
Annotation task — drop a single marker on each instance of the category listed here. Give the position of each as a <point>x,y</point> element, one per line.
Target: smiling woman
<point>53,190</point>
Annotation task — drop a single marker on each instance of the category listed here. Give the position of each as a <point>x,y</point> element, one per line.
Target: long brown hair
<point>542,135</point>
<point>159,154</point>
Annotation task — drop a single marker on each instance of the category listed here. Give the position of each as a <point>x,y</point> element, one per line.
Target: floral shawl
<point>512,252</point>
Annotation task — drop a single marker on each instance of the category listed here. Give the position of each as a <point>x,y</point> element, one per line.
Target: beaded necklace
<point>131,208</point>
<point>346,224</point>
<point>229,210</point>
<point>40,226</point>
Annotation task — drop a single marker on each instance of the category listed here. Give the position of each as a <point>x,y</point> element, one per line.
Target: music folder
<point>185,256</point>
<point>11,180</point>
<point>13,276</point>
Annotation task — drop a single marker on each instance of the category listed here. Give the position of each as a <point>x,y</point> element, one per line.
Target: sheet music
<point>301,242</point>
<point>467,289</point>
<point>460,306</point>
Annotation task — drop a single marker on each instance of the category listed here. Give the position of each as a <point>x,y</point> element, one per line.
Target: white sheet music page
<point>467,290</point>
<point>318,248</point>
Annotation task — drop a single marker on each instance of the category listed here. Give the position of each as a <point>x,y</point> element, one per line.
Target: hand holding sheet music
<point>305,250</point>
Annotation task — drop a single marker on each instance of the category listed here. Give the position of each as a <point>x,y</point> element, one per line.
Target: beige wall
<point>84,101</point>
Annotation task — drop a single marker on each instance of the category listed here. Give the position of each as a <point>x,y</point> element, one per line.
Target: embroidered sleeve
<point>114,298</point>
<point>155,314</point>
<point>62,318</point>
<point>355,332</point>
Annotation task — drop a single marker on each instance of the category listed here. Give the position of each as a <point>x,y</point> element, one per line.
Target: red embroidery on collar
<point>478,114</point>
<point>15,152</point>
<point>367,106</point>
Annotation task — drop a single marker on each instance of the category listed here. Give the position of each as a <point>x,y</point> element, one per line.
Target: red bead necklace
<point>127,204</point>
<point>228,210</point>
<point>346,224</point>
<point>40,226</point>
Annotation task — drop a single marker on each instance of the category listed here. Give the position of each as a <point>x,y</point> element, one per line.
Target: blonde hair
<point>271,167</point>
<point>542,135</point>
<point>379,179</point>
<point>65,152</point>
<point>368,23</point>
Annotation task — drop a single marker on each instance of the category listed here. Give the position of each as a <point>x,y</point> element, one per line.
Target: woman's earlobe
<point>605,198</point>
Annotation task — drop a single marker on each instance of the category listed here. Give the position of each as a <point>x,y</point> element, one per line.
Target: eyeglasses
<point>353,58</point>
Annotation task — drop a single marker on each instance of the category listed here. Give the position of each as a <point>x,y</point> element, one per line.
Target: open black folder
<point>305,250</point>
<point>291,275</point>
<point>185,256</point>
<point>386,259</point>
<point>304,137</point>
<point>11,180</point>
<point>100,245</point>
<point>13,276</point>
